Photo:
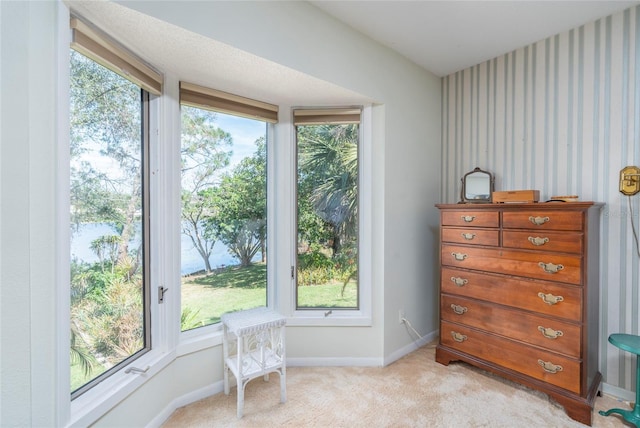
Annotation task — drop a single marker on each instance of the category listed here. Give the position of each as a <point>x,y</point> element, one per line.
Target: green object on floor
<point>630,343</point>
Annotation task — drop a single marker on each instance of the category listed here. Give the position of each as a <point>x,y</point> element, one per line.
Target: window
<point>327,208</point>
<point>224,205</point>
<point>109,320</point>
<point>109,152</point>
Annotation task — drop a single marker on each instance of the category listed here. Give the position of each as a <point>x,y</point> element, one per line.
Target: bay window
<point>224,204</point>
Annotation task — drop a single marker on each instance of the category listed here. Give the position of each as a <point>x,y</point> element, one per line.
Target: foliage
<point>107,323</point>
<point>241,201</point>
<point>316,268</point>
<point>328,184</point>
<point>189,319</point>
<point>204,153</point>
<point>105,125</point>
<point>327,207</point>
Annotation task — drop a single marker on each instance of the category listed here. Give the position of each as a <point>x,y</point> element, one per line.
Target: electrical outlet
<point>401,316</point>
<point>630,180</point>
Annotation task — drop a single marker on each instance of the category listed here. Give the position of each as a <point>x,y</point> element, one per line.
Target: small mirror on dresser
<point>477,187</point>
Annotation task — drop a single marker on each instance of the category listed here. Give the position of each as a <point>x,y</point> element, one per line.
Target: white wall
<point>28,132</point>
<point>562,116</point>
<point>406,170</point>
<point>406,152</point>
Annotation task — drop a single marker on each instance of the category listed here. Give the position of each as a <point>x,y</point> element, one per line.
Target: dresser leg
<point>443,357</point>
<point>579,409</point>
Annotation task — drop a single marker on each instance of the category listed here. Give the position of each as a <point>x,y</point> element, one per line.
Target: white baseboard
<point>619,393</point>
<point>184,400</point>
<point>334,362</point>
<point>429,337</point>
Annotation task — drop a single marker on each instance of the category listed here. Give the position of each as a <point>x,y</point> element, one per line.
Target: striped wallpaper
<point>562,116</point>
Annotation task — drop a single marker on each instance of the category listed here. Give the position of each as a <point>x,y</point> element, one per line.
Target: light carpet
<point>414,391</point>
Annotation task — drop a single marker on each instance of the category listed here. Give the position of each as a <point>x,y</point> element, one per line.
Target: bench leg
<point>226,379</point>
<point>241,386</point>
<point>632,416</point>
<point>283,385</point>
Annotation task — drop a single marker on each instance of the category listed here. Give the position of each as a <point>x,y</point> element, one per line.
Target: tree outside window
<point>108,315</point>
<point>224,206</point>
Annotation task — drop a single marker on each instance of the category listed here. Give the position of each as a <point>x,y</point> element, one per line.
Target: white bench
<point>253,346</point>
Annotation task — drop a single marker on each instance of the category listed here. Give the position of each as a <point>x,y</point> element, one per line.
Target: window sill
<point>95,403</point>
<point>329,318</point>
<point>198,339</point>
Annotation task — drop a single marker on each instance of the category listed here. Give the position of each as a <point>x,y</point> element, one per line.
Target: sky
<point>244,133</point>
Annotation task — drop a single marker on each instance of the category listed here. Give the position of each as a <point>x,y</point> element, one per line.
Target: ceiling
<point>441,36</point>
<point>447,36</point>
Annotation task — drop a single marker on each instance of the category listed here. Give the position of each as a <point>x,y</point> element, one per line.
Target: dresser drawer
<point>546,366</point>
<point>470,218</point>
<point>549,333</point>
<point>545,297</point>
<point>564,242</point>
<point>543,220</point>
<point>470,236</point>
<point>552,267</point>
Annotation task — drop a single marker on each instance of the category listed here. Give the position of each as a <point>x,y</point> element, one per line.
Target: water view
<point>191,261</point>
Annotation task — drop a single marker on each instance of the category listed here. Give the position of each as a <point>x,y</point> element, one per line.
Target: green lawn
<point>205,298</point>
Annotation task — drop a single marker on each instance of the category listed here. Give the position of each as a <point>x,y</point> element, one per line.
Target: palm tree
<point>328,156</point>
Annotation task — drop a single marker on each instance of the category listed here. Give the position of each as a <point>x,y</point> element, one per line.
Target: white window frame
<point>87,408</point>
<point>340,317</point>
<point>92,404</point>
<point>211,335</point>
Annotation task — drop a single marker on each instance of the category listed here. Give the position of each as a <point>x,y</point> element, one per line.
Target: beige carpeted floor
<point>414,391</point>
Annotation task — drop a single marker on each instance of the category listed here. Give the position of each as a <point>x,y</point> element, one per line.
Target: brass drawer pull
<point>538,221</point>
<point>467,218</point>
<point>550,267</point>
<point>458,337</point>
<point>550,299</point>
<point>459,256</point>
<point>550,367</point>
<point>468,236</point>
<point>459,281</point>
<point>458,309</point>
<point>537,241</point>
<point>550,333</point>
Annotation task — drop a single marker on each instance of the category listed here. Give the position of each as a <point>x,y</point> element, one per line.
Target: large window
<point>327,208</point>
<point>109,318</point>
<point>109,206</point>
<point>224,206</point>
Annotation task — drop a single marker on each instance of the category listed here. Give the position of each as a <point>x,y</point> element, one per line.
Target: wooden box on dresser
<point>519,295</point>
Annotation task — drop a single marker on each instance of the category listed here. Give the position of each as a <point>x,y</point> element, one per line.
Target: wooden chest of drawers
<point>519,295</point>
